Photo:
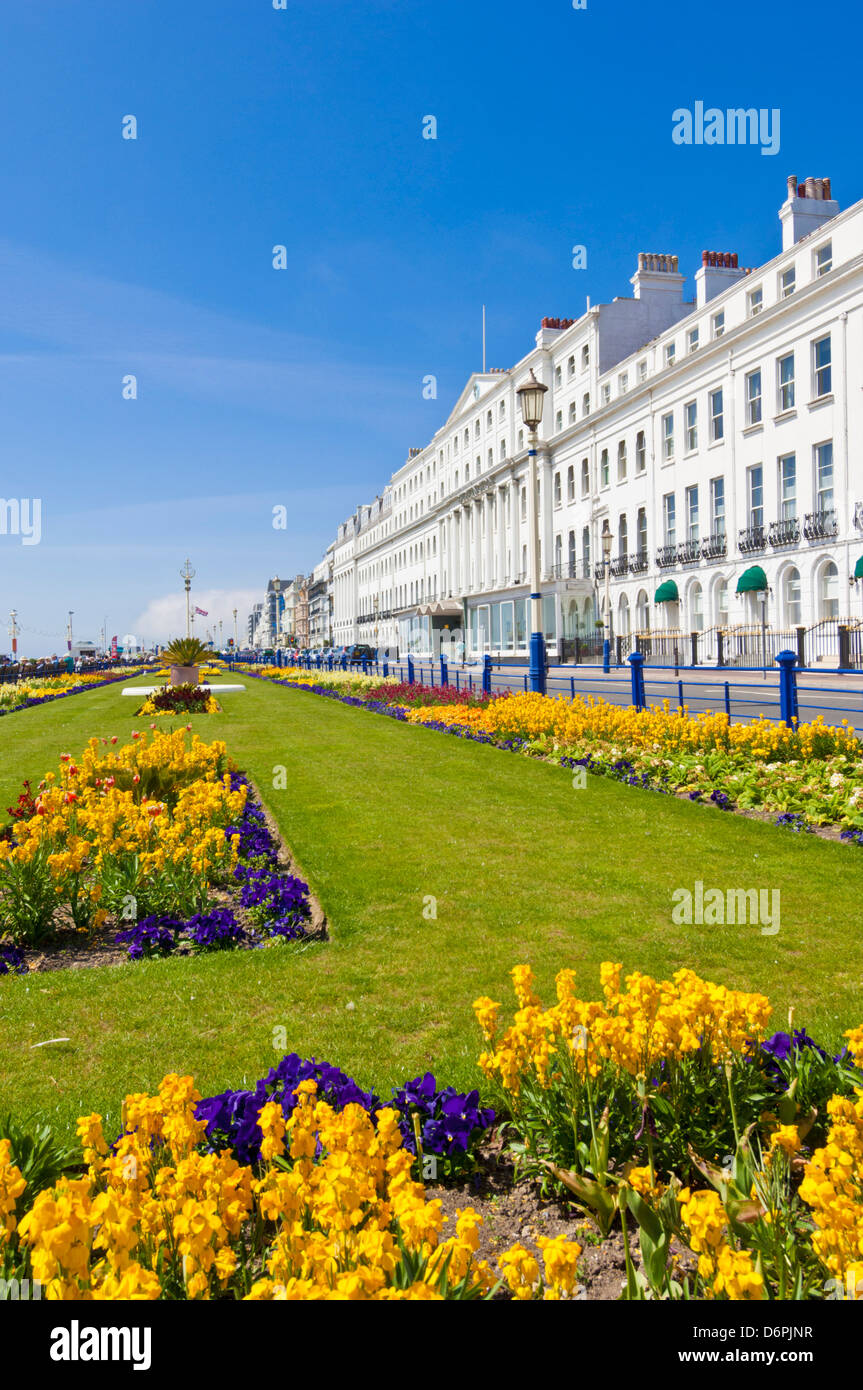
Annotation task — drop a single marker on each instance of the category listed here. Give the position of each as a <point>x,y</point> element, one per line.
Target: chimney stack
<point>808,206</point>
<point>719,269</point>
<point>657,274</point>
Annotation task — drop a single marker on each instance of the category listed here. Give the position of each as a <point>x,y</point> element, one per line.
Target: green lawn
<point>382,817</point>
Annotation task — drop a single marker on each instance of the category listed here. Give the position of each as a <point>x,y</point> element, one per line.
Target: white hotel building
<point>720,437</point>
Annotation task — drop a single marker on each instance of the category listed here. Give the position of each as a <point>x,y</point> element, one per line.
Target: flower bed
<point>622,1099</point>
<point>179,699</point>
<point>808,776</point>
<point>39,690</point>
<point>146,833</point>
<point>331,1210</point>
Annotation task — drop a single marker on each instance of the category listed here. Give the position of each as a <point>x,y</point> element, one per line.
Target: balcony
<point>786,532</point>
<point>714,547</point>
<point>638,563</point>
<point>751,539</point>
<point>599,570</point>
<point>620,566</point>
<point>689,552</point>
<point>666,556</point>
<point>820,526</point>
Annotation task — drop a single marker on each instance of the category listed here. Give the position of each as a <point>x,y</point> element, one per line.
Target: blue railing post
<point>486,675</point>
<point>365,666</point>
<point>636,663</point>
<point>386,668</point>
<point>606,656</point>
<point>444,672</point>
<point>410,670</point>
<point>787,688</point>
<point>728,700</point>
<point>536,669</point>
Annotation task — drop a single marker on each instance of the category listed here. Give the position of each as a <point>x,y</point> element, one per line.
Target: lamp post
<point>69,631</point>
<point>531,396</point>
<point>606,539</point>
<point>187,574</point>
<point>13,632</point>
<point>236,642</point>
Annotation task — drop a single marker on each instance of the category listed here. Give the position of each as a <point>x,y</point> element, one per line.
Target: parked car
<point>359,653</point>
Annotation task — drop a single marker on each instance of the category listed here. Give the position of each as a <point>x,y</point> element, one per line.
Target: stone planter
<point>184,675</point>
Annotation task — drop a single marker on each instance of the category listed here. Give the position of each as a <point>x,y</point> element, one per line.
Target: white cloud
<point>165,617</point>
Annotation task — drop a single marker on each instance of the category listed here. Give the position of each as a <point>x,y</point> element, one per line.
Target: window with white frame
<point>692,340</point>
<point>755,494</point>
<point>641,533</point>
<point>690,415</point>
<point>755,301</point>
<point>670,353</point>
<point>718,324</point>
<point>606,393</point>
<point>785,382</point>
<point>692,532</point>
<point>824,259</point>
<point>753,398</point>
<point>557,376</point>
<point>524,504</point>
<point>788,487</point>
<point>603,469</point>
<point>585,477</point>
<point>623,383</point>
<point>669,520</point>
<point>521,439</point>
<point>585,357</point>
<point>621,461</point>
<point>788,282</point>
<point>558,498</point>
<point>642,369</point>
<point>822,362</point>
<point>717,416</point>
<point>717,506</point>
<point>824,476</point>
<point>572,412</point>
<point>668,437</point>
<point>570,367</point>
<point>558,421</point>
<point>640,452</point>
<point>570,484</point>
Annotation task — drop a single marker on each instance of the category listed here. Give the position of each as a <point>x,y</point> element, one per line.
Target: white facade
<point>714,435</point>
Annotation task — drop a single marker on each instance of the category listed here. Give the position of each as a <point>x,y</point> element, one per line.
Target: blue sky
<point>303,127</point>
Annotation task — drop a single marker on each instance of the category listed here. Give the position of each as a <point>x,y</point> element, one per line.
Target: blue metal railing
<point>784,700</point>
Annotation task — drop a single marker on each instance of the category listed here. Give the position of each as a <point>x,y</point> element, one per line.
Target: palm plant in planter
<point>183,656</point>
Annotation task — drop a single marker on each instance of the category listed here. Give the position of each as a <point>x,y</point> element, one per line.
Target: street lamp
<point>187,574</point>
<point>69,632</point>
<point>606,539</point>
<point>531,396</point>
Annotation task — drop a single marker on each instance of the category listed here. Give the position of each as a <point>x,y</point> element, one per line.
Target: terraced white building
<point>720,438</point>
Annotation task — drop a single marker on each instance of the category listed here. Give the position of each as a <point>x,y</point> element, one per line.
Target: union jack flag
<point>203,612</point>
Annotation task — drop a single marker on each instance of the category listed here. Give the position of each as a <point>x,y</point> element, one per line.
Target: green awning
<point>752,580</point>
<point>858,569</point>
<point>666,593</point>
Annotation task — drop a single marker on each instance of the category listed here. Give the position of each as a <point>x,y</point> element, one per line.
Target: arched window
<point>642,611</point>
<point>621,461</point>
<point>791,594</point>
<point>696,608</point>
<point>558,556</point>
<point>623,616</point>
<point>720,613</point>
<point>828,591</point>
